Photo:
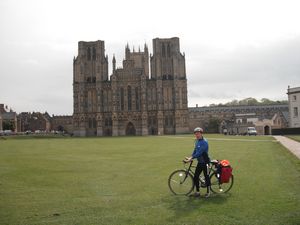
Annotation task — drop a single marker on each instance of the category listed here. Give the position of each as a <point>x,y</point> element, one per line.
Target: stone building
<point>236,119</point>
<point>294,106</point>
<point>134,100</point>
<point>62,123</point>
<point>33,122</point>
<point>8,119</point>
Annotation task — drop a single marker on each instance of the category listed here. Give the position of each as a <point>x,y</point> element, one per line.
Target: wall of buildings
<point>236,119</point>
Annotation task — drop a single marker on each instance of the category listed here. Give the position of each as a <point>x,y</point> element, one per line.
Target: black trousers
<point>201,167</point>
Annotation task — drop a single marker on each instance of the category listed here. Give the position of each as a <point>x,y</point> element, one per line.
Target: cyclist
<point>201,153</point>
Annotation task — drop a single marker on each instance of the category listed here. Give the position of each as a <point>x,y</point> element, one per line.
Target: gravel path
<point>293,146</point>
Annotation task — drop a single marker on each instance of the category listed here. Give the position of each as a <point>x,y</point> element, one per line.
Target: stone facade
<point>134,101</point>
<point>34,121</point>
<point>8,119</point>
<point>294,106</point>
<point>236,119</point>
<point>62,123</point>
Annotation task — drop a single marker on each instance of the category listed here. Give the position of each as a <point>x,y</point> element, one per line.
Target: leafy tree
<point>213,125</point>
<point>8,125</point>
<point>250,101</point>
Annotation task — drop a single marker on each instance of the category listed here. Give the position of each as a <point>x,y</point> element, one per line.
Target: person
<point>201,154</point>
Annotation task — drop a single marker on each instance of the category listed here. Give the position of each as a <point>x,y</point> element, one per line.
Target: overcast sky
<point>233,49</point>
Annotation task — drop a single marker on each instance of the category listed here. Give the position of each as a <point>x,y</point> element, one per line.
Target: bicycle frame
<point>210,168</point>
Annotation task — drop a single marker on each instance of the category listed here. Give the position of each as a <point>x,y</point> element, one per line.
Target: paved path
<point>290,144</point>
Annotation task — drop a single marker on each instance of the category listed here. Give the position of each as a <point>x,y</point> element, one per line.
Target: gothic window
<point>168,50</point>
<point>88,53</point>
<point>90,123</point>
<point>94,53</point>
<point>102,97</point>
<point>137,99</point>
<point>122,99</point>
<point>129,97</point>
<point>163,50</point>
<point>171,121</point>
<point>94,123</point>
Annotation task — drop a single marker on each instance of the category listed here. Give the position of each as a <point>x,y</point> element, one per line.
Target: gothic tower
<point>168,71</point>
<point>90,89</point>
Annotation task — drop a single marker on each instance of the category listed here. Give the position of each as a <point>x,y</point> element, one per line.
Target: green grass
<point>294,137</point>
<point>123,180</point>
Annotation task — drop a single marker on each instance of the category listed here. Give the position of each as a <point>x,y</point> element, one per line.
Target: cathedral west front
<point>146,96</point>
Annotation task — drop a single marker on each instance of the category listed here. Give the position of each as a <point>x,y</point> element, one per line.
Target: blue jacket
<point>201,151</point>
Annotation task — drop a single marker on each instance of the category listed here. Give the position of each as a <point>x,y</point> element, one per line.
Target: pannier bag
<point>225,171</point>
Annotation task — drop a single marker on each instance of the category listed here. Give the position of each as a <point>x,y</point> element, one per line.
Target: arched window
<point>94,53</point>
<point>122,98</point>
<point>129,97</point>
<point>163,50</point>
<point>94,123</point>
<point>168,50</point>
<point>137,99</point>
<point>88,53</point>
<point>90,123</point>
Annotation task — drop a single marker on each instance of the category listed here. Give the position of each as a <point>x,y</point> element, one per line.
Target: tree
<point>8,125</point>
<point>213,125</point>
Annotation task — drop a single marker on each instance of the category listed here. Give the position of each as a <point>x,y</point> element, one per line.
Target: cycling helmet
<point>198,129</point>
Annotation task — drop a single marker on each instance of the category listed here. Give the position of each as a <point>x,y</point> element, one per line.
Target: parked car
<point>251,131</point>
<point>8,132</point>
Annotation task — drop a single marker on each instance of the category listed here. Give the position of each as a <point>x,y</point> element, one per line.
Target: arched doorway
<point>130,130</point>
<point>267,130</point>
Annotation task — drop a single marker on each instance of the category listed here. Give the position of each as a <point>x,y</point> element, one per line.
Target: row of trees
<point>251,101</point>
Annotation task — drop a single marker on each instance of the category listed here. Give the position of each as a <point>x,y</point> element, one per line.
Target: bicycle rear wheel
<point>218,188</point>
<point>181,182</point>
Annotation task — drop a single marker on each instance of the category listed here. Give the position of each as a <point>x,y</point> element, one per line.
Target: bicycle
<point>181,182</point>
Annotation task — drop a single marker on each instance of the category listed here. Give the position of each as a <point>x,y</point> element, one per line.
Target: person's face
<point>198,134</point>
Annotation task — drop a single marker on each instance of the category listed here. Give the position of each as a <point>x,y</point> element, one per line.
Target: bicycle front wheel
<point>181,182</point>
<point>219,188</point>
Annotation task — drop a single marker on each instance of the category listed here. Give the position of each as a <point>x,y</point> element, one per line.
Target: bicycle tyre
<point>218,188</point>
<point>180,182</point>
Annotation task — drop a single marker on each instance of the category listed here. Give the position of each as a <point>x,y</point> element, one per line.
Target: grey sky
<point>234,49</point>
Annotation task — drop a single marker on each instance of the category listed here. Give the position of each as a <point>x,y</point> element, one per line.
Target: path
<point>293,146</point>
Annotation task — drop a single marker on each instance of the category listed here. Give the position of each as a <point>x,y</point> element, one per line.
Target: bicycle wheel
<point>218,188</point>
<point>180,182</point>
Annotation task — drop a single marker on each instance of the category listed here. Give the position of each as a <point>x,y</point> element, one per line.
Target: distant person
<point>201,154</point>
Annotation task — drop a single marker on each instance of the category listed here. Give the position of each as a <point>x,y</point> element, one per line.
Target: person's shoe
<point>195,194</point>
<point>207,195</point>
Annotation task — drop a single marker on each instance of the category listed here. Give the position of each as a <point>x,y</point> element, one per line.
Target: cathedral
<point>136,99</point>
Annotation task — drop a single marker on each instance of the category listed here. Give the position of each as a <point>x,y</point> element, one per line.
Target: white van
<point>251,131</point>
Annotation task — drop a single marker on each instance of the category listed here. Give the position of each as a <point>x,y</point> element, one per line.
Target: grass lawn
<point>294,137</point>
<point>123,180</point>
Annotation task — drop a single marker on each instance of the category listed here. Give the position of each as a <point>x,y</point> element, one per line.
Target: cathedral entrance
<point>267,130</point>
<point>130,130</point>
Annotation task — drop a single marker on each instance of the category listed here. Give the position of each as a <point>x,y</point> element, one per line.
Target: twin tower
<point>136,99</point>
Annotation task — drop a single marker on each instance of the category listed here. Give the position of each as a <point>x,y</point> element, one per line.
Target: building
<point>8,119</point>
<point>294,106</point>
<point>236,119</point>
<point>135,100</point>
<point>62,123</point>
<point>34,122</point>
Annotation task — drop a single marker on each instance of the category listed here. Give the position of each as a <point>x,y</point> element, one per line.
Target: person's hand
<point>188,159</point>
